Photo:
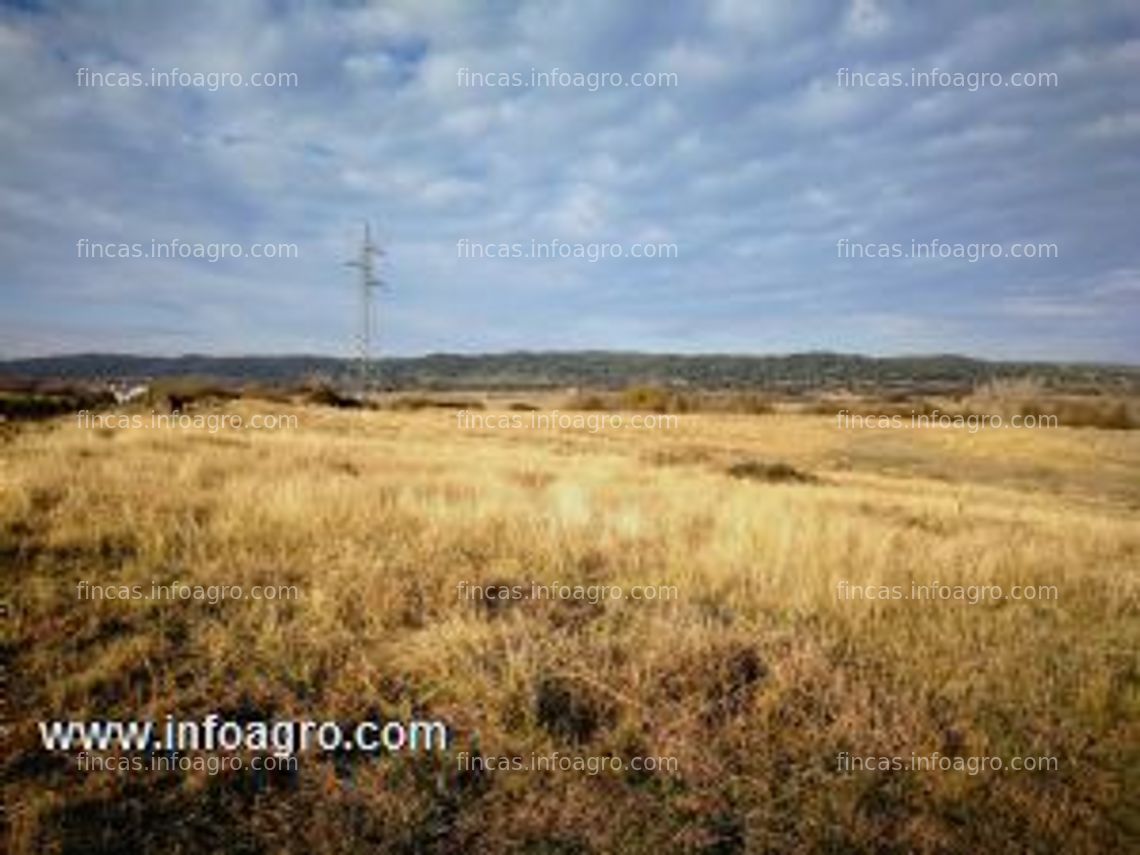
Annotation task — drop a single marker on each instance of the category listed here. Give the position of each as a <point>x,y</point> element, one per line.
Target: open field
<point>754,677</point>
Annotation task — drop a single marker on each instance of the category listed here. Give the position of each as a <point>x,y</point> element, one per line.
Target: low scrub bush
<point>774,473</point>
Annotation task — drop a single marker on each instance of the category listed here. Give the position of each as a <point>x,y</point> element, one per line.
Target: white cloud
<point>1112,126</point>
<point>694,64</point>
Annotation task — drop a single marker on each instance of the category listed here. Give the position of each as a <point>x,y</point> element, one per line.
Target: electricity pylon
<point>369,282</point>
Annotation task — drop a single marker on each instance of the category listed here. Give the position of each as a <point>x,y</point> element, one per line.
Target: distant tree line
<point>792,374</point>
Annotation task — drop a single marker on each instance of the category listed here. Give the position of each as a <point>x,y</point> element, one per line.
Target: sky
<point>750,164</point>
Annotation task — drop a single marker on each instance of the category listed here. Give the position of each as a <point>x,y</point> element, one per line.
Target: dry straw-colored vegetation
<point>754,678</point>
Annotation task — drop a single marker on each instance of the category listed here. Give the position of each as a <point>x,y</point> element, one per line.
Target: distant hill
<point>594,369</point>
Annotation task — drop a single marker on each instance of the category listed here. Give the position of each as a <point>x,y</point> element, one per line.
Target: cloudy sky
<point>754,163</point>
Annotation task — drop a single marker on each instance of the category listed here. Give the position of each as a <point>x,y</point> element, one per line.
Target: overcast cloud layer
<point>755,164</point>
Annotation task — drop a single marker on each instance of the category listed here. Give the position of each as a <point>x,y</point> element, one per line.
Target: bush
<point>774,473</point>
<point>422,402</point>
<point>177,392</point>
<point>31,407</point>
<point>1102,412</point>
<point>649,398</point>
<point>325,395</point>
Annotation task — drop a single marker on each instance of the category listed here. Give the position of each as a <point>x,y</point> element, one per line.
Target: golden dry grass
<point>753,678</point>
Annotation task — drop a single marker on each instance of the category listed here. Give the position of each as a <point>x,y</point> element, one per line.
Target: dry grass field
<point>754,677</point>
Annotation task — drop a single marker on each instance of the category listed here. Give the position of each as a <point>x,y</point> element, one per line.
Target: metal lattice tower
<point>369,282</point>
